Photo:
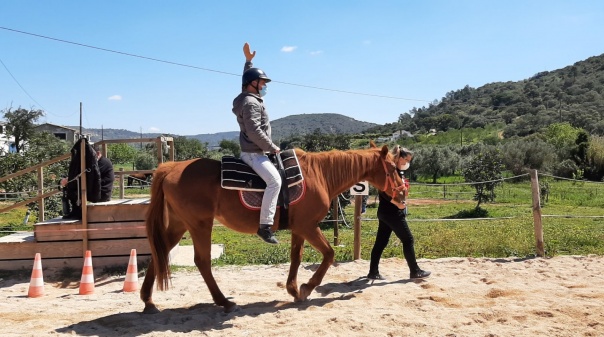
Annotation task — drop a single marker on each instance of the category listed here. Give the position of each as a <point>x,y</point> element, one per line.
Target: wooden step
<point>59,229</point>
<point>24,246</point>
<point>118,210</point>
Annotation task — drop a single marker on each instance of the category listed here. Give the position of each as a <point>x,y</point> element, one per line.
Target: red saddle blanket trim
<point>253,200</point>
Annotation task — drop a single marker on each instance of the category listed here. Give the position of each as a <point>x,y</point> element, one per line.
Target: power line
<point>27,93</point>
<point>206,69</point>
<point>19,84</point>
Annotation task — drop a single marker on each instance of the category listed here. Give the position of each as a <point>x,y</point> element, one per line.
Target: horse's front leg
<point>320,243</point>
<point>297,250</point>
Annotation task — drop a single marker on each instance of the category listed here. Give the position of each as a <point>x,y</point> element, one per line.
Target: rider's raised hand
<point>246,51</point>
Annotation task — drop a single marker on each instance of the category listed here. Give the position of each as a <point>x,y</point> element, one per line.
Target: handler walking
<point>392,218</point>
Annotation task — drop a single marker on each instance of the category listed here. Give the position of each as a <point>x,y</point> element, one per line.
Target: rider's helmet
<point>253,74</point>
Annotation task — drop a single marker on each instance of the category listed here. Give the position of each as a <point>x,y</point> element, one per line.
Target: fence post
<point>358,200</point>
<point>336,218</point>
<point>121,183</point>
<point>537,213</point>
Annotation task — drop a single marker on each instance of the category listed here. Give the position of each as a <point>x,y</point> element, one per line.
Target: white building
<point>7,144</point>
<point>401,134</point>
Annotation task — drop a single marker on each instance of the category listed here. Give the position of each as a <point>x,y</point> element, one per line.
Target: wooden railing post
<point>83,197</point>
<point>537,213</point>
<point>172,150</point>
<point>160,153</point>
<point>40,192</point>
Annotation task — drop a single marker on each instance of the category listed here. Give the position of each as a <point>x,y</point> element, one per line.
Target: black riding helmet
<point>253,74</point>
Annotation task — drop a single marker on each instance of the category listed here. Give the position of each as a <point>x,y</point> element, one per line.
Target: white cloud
<point>153,129</point>
<point>288,49</point>
<point>315,53</point>
<point>115,98</point>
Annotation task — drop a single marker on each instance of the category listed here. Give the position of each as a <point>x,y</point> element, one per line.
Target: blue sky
<point>412,52</point>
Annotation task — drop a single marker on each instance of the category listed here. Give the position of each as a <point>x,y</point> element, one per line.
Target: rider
<point>255,139</point>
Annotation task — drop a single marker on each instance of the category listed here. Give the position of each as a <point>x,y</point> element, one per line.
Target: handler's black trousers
<point>390,222</point>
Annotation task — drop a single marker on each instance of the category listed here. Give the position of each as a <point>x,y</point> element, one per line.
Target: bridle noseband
<point>391,181</point>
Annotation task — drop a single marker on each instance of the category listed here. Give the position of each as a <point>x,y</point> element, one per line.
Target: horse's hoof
<point>231,308</point>
<point>151,309</point>
<point>305,291</point>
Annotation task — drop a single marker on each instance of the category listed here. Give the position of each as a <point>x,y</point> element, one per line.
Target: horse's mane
<point>342,160</point>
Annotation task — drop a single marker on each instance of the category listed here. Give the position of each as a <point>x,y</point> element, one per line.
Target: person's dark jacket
<point>93,175</point>
<point>107,178</point>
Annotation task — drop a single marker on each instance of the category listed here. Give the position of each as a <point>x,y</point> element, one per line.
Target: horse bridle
<point>391,181</point>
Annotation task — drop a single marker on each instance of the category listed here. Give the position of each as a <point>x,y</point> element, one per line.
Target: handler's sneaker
<point>420,274</point>
<point>375,276</point>
<point>267,234</point>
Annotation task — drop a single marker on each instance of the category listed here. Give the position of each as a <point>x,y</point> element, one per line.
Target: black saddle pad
<point>237,175</point>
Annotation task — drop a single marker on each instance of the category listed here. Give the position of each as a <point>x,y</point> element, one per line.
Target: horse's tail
<point>156,230</point>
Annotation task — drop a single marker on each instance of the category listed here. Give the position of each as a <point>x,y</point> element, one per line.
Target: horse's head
<point>393,184</point>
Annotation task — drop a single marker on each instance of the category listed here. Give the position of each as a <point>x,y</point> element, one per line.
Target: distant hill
<point>573,94</point>
<point>281,128</point>
<point>214,139</point>
<point>308,123</point>
<point>100,134</point>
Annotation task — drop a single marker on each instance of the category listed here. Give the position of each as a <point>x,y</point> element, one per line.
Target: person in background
<point>364,204</point>
<point>392,218</point>
<point>255,140</point>
<point>107,176</point>
<point>71,210</point>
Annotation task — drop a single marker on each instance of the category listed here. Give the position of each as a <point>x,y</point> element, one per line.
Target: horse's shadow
<point>200,317</point>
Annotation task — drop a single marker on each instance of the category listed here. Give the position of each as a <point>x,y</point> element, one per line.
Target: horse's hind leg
<point>297,249</point>
<point>174,233</point>
<point>202,243</point>
<point>320,243</point>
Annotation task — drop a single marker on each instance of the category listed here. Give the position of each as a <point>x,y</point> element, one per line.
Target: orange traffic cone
<point>36,285</point>
<point>87,281</point>
<point>131,282</point>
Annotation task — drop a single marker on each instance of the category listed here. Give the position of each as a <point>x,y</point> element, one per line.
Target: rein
<point>390,181</point>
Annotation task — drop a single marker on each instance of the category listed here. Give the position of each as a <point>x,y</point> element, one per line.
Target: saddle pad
<point>237,175</point>
<point>253,200</point>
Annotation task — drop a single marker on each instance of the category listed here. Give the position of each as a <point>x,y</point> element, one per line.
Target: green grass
<point>509,231</point>
<point>433,239</point>
<point>566,234</point>
<point>13,220</point>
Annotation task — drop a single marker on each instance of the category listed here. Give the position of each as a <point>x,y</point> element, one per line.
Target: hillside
<point>573,94</point>
<point>308,123</point>
<point>282,128</point>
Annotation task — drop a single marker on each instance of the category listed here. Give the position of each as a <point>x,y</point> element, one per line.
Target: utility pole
<point>81,134</point>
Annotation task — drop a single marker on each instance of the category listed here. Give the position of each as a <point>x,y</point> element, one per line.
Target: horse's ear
<point>384,151</point>
<point>372,144</point>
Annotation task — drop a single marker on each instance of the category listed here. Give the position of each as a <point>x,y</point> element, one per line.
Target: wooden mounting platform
<point>112,230</point>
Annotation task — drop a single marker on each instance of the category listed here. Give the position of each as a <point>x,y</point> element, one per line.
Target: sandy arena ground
<point>561,296</point>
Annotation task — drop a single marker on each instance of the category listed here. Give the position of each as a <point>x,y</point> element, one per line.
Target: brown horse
<point>187,196</point>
